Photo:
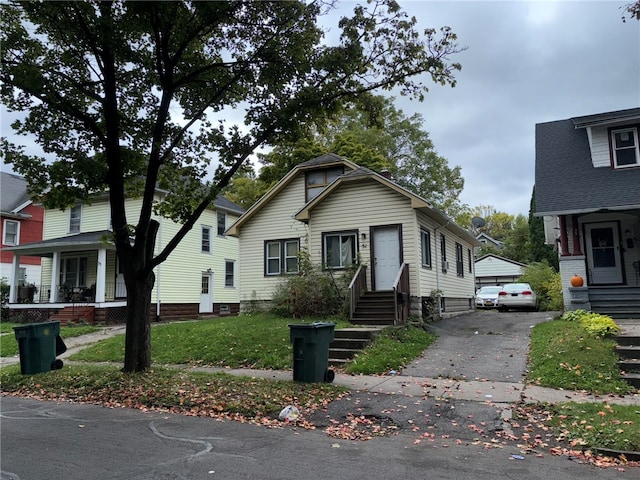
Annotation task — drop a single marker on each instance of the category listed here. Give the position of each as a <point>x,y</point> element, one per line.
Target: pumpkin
<point>577,281</point>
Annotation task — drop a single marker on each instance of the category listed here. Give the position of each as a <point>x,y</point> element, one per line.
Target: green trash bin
<point>39,344</point>
<point>311,351</point>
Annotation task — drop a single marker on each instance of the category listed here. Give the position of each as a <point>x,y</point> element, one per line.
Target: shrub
<point>547,284</point>
<point>311,293</point>
<point>594,323</point>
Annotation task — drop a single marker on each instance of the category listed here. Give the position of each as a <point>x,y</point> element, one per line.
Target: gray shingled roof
<point>322,160</point>
<point>567,182</point>
<point>13,192</point>
<point>226,204</point>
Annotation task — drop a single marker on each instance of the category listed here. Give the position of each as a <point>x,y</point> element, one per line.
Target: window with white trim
<point>425,242</point>
<point>229,273</point>
<point>75,214</point>
<point>11,232</point>
<point>340,250</point>
<point>73,272</point>
<point>205,243</point>
<point>625,149</point>
<point>281,256</point>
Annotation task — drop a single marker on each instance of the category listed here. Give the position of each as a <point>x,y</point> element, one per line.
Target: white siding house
<point>342,214</point>
<point>496,270</point>
<point>80,270</point>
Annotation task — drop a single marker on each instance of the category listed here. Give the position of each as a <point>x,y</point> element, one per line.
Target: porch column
<point>101,274</point>
<point>55,277</point>
<point>15,270</point>
<point>577,249</point>
<point>564,240</point>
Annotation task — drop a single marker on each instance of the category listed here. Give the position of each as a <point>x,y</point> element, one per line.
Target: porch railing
<point>401,295</point>
<point>80,294</point>
<point>357,287</point>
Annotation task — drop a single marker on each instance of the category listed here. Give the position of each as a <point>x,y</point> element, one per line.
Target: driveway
<point>484,345</point>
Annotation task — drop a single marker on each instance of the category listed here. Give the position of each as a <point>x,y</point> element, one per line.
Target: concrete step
<point>631,365</point>
<point>627,340</point>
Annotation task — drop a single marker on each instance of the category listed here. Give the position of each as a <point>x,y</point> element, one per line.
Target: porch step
<point>347,342</point>
<point>628,350</point>
<point>617,302</point>
<point>74,314</point>
<point>375,308</point>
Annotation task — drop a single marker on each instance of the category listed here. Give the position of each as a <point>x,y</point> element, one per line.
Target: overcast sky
<point>526,63</point>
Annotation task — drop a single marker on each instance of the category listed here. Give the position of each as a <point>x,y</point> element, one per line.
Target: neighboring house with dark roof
<point>588,191</point>
<point>21,222</point>
<point>342,215</point>
<point>488,241</point>
<point>496,270</point>
<point>81,275</point>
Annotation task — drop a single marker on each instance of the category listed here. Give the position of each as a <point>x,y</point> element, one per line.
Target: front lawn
<point>247,341</point>
<point>564,355</point>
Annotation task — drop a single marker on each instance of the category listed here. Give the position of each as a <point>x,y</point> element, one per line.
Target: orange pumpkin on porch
<point>577,281</point>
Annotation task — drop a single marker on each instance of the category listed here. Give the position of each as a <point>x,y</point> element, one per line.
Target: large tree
<point>375,134</point>
<point>126,97</point>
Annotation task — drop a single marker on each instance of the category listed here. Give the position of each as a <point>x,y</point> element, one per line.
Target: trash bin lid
<point>312,325</point>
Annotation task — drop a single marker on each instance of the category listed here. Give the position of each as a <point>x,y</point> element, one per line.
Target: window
<point>281,256</point>
<point>469,260</point>
<point>222,223</point>
<point>443,248</point>
<point>74,219</point>
<point>229,266</point>
<point>11,232</point>
<point>318,180</point>
<point>425,240</point>
<point>459,260</point>
<point>73,272</point>
<point>624,144</point>
<point>206,239</point>
<point>340,249</point>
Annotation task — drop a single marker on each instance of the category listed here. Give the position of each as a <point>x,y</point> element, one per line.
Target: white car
<point>517,296</point>
<point>487,297</point>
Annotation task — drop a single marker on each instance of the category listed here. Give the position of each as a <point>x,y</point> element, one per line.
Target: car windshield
<point>485,290</point>
<point>516,287</point>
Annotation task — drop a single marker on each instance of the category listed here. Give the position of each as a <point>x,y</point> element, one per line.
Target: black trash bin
<point>39,345</point>
<point>311,351</point>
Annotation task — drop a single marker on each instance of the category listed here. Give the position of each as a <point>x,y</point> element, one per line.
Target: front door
<point>206,293</point>
<point>386,256</point>
<point>603,253</point>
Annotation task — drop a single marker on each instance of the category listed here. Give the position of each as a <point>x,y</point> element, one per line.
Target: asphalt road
<point>45,440</point>
<point>423,436</point>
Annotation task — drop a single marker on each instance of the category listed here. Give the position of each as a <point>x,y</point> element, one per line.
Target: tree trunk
<point>137,353</point>
<point>137,347</point>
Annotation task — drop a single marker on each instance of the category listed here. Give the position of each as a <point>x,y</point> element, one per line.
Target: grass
<point>247,341</point>
<point>176,391</point>
<point>589,425</point>
<point>392,350</point>
<point>9,344</point>
<point>563,355</point>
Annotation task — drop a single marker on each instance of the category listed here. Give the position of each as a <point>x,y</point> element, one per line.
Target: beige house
<point>496,270</point>
<point>343,214</point>
<point>80,276</point>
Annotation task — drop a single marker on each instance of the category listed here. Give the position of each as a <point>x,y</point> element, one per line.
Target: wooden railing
<point>402,295</point>
<point>357,287</point>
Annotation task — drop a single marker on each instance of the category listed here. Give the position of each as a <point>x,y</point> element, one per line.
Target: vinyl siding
<point>434,278</point>
<point>495,267</point>
<point>599,143</point>
<point>178,279</point>
<point>273,222</point>
<point>359,207</point>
